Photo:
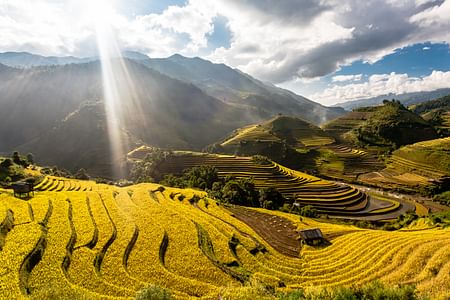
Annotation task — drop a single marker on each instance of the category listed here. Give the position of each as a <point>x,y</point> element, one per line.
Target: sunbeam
<point>118,88</point>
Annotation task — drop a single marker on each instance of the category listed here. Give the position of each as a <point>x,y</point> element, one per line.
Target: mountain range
<point>406,99</point>
<point>54,106</point>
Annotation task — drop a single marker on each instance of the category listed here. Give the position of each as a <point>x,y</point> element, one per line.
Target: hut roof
<point>311,234</point>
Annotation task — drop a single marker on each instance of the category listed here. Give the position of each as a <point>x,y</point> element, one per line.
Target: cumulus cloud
<point>273,41</point>
<point>343,78</point>
<point>66,27</point>
<point>382,84</point>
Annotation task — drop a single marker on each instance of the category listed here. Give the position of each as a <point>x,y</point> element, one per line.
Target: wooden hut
<point>22,189</point>
<point>311,236</point>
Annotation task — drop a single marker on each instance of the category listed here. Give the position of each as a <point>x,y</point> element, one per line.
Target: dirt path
<point>278,232</point>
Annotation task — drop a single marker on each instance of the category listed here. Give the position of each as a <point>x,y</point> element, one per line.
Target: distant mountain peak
<point>134,55</point>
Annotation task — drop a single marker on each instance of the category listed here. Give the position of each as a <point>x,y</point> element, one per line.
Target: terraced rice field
<point>340,126</point>
<point>253,132</point>
<point>415,165</point>
<point>107,242</point>
<point>298,133</point>
<point>327,197</point>
<point>347,163</point>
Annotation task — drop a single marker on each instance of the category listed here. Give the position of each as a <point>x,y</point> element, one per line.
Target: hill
<point>81,240</point>
<point>406,99</point>
<point>328,198</point>
<point>284,139</point>
<point>390,125</point>
<point>436,112</point>
<point>303,146</point>
<point>421,166</point>
<point>292,130</point>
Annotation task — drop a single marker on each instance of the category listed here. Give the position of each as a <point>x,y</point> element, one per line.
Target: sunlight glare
<point>117,86</point>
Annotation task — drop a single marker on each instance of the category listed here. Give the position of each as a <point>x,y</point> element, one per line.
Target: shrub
<point>371,291</point>
<point>82,174</point>
<point>261,160</point>
<point>271,198</point>
<point>153,292</point>
<point>307,211</point>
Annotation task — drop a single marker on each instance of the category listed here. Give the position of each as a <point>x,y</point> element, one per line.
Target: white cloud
<point>67,27</point>
<point>344,78</point>
<point>194,19</point>
<point>337,34</point>
<point>382,84</point>
<point>278,42</point>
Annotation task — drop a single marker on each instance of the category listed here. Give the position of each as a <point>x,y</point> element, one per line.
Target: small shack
<point>311,236</point>
<point>22,189</point>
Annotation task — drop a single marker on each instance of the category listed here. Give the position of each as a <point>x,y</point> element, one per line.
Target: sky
<point>329,51</point>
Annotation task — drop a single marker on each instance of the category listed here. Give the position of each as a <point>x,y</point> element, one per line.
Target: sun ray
<point>118,88</point>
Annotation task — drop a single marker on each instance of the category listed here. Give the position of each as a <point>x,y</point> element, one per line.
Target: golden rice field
<point>78,239</point>
<point>326,197</point>
<point>414,166</point>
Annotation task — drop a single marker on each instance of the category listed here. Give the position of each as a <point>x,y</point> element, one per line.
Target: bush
<point>271,198</point>
<point>371,291</point>
<point>261,160</point>
<point>153,292</point>
<point>443,198</point>
<point>307,211</point>
<point>81,174</point>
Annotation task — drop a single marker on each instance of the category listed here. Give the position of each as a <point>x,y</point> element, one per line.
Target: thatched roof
<point>311,234</point>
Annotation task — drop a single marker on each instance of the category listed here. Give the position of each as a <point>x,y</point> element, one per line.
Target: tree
<point>271,198</point>
<point>147,169</point>
<point>30,158</point>
<point>16,158</point>
<point>6,164</point>
<point>232,193</point>
<point>82,174</point>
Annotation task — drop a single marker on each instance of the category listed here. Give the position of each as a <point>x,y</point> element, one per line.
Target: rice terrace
<point>225,150</point>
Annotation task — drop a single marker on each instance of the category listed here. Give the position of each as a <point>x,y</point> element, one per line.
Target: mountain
<point>175,103</point>
<point>217,80</point>
<point>235,87</point>
<point>406,99</point>
<point>43,110</point>
<point>28,60</point>
<point>390,125</point>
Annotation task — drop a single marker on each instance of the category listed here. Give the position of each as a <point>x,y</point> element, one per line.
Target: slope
<point>388,126</point>
<point>285,139</point>
<point>78,239</point>
<point>234,86</point>
<point>163,111</point>
<point>421,166</point>
<point>436,112</point>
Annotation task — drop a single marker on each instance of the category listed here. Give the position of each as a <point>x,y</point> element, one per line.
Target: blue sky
<point>416,60</point>
<point>329,51</point>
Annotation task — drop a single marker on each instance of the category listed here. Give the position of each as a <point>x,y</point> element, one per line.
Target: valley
<point>223,177</point>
